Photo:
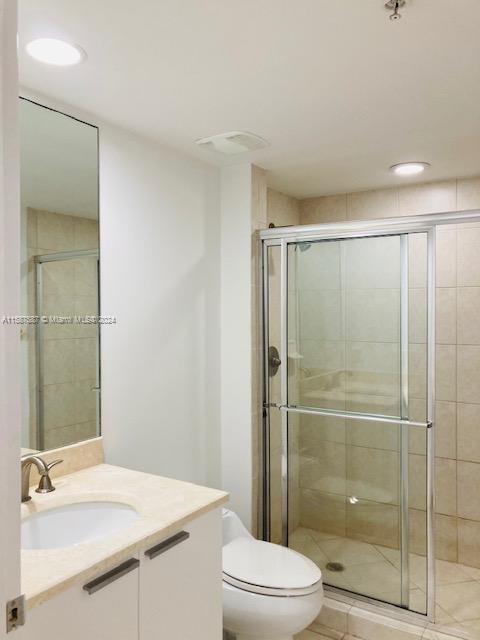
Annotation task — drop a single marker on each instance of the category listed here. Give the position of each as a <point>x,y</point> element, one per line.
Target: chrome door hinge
<point>15,613</point>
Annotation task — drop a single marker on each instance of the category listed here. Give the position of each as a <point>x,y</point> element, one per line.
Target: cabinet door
<point>110,612</point>
<point>181,584</point>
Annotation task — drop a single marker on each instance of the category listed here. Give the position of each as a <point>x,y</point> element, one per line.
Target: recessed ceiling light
<point>409,168</point>
<point>57,52</point>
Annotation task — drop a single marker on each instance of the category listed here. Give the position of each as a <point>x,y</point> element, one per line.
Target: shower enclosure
<point>349,352</point>
<point>67,345</point>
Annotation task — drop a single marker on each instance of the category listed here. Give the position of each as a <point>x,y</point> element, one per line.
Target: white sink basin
<point>75,523</point>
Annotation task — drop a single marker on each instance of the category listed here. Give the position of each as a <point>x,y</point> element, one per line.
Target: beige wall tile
<point>86,276</point>
<point>445,429</point>
<point>446,486</point>
<point>55,231</point>
<point>468,319</point>
<point>320,314</point>
<point>59,403</point>
<point>86,233</point>
<point>68,435</point>
<point>446,257</point>
<point>446,315</point>
<point>468,257</point>
<point>468,373</point>
<point>373,368</point>
<point>373,522</point>
<point>468,194</point>
<point>445,384</point>
<point>381,203</point>
<point>58,278</point>
<point>446,538</point>
<point>468,432</point>
<point>372,263</point>
<point>372,474</point>
<point>85,354</point>
<point>469,543</point>
<point>323,512</point>
<point>315,430</point>
<point>282,210</point>
<point>360,433</point>
<point>323,209</point>
<point>468,478</point>
<point>58,361</point>
<point>372,315</point>
<point>85,401</point>
<point>318,268</point>
<point>433,197</point>
<point>323,468</point>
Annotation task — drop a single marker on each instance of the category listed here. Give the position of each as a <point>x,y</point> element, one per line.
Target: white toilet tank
<point>233,527</point>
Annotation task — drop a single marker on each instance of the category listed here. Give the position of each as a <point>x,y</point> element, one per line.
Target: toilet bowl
<point>269,592</point>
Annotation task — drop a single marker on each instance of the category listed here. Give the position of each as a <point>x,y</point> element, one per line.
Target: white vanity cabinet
<point>109,611</point>
<point>181,584</point>
<point>169,590</point>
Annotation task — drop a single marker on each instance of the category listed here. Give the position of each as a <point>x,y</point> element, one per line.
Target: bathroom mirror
<point>60,333</point>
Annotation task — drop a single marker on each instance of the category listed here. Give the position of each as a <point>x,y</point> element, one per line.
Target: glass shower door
<point>67,349</point>
<point>354,411</point>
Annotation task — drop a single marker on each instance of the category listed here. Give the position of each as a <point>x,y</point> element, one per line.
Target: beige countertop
<point>165,505</point>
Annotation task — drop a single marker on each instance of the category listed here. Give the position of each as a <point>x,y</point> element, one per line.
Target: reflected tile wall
<point>70,351</point>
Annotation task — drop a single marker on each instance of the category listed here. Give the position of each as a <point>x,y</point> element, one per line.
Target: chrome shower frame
<point>402,226</point>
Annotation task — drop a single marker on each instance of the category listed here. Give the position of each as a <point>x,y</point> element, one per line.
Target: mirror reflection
<point>59,274</point>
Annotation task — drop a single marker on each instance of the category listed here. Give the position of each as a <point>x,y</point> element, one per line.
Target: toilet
<point>269,592</point>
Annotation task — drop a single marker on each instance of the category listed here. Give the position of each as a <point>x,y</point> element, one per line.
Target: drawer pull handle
<point>167,544</point>
<point>111,576</point>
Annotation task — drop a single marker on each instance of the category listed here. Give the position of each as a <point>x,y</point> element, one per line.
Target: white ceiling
<point>340,91</point>
<point>58,162</point>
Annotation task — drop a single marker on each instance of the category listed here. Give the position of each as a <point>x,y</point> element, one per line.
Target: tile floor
<point>374,570</point>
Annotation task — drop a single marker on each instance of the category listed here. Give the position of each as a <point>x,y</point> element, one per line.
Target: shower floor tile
<point>374,570</point>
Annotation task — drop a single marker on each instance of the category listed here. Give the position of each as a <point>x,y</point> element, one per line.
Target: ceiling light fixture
<point>56,52</point>
<point>409,168</point>
<point>233,142</point>
<point>395,5</point>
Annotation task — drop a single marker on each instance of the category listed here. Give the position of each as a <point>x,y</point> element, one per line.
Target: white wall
<point>160,276</point>
<point>236,337</point>
<point>9,305</point>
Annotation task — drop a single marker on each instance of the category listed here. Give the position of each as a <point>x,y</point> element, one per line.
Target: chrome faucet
<point>45,485</point>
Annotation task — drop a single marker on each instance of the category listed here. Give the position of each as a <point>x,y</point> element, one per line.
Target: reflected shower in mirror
<point>59,275</point>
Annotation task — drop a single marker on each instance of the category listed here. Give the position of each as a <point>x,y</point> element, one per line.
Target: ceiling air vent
<point>233,142</point>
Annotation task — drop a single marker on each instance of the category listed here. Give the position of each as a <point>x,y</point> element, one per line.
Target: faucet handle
<point>50,465</point>
<point>45,485</point>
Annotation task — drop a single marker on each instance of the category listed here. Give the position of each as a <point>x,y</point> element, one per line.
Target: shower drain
<point>335,566</point>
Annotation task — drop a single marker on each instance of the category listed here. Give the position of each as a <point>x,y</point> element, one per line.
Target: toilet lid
<point>262,567</point>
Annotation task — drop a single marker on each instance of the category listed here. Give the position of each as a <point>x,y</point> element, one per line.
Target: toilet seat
<point>268,569</point>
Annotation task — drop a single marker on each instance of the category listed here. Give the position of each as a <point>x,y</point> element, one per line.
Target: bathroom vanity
<point>156,574</point>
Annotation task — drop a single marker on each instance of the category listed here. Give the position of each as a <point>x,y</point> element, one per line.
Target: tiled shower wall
<point>70,351</point>
<point>458,341</point>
